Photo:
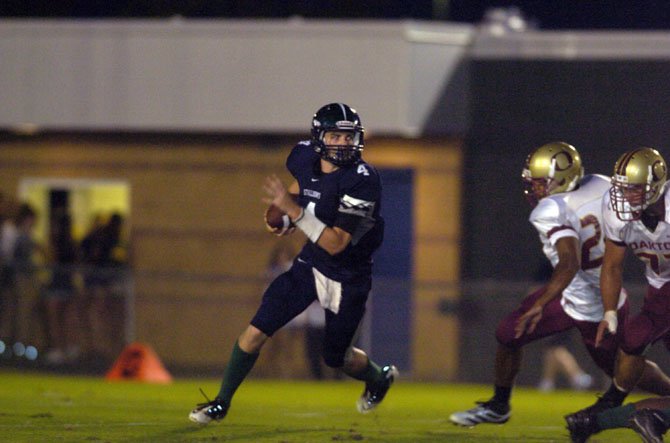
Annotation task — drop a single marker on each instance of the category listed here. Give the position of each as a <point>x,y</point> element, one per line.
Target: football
<point>276,220</point>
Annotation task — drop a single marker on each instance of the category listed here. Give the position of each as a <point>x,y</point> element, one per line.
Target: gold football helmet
<point>637,183</point>
<point>550,169</point>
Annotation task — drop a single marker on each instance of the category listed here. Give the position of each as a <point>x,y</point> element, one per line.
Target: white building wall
<point>237,76</point>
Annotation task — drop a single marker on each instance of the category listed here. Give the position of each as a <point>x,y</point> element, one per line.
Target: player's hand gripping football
<point>278,195</point>
<point>528,321</point>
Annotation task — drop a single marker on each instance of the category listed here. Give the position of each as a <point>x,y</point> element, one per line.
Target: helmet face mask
<point>535,189</point>
<point>340,120</point>
<point>637,183</point>
<point>550,169</point>
<point>336,151</point>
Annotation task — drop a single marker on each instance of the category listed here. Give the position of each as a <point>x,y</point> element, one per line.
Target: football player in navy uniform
<point>338,209</point>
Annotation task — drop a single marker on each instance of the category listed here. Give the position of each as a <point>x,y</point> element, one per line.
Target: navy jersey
<point>348,198</point>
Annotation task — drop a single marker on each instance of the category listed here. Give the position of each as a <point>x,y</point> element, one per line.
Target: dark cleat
<point>582,425</point>
<point>375,393</point>
<point>650,424</point>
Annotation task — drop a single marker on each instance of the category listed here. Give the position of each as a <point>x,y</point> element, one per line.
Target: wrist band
<point>310,225</point>
<point>612,321</point>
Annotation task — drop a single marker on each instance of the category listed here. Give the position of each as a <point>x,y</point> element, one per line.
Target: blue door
<point>391,301</point>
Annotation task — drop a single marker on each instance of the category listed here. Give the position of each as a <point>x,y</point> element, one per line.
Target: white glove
<point>612,321</point>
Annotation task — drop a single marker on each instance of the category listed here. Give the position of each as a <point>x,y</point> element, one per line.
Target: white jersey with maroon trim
<point>577,214</point>
<point>653,248</point>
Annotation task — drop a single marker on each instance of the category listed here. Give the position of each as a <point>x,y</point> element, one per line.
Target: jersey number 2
<point>590,243</point>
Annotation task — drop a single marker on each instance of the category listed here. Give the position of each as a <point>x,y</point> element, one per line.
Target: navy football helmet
<point>338,117</point>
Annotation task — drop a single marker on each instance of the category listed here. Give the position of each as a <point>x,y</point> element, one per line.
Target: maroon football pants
<point>651,324</point>
<point>554,320</point>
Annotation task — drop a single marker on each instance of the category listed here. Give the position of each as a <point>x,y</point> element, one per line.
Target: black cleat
<point>206,412</point>
<point>374,394</point>
<point>650,424</point>
<point>581,425</point>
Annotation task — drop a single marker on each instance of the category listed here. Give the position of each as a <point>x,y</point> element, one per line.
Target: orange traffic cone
<point>139,362</point>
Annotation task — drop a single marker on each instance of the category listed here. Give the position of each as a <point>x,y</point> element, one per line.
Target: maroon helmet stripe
<point>624,161</point>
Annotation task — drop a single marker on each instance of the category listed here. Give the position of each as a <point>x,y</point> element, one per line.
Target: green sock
<point>615,417</point>
<point>238,367</point>
<point>371,374</point>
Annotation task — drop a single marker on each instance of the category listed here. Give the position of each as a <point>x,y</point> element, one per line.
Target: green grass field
<point>44,408</point>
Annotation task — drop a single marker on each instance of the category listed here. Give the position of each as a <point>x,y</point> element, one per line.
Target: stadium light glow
<point>19,349</point>
<point>31,353</point>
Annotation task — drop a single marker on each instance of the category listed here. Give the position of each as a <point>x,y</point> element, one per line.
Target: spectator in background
<point>558,360</point>
<point>116,264</point>
<point>102,255</point>
<point>86,256</point>
<point>8,296</point>
<point>27,286</point>
<point>60,291</point>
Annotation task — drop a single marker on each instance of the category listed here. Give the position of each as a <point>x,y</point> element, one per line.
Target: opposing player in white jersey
<point>636,215</point>
<point>567,216</point>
